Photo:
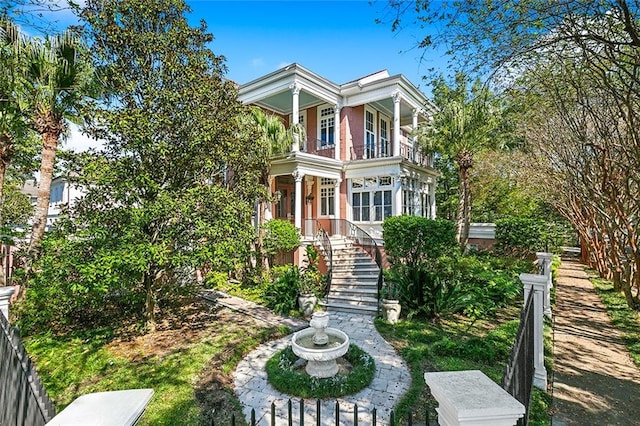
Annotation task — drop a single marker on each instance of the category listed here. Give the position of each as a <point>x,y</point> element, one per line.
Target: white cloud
<point>257,62</point>
<point>78,142</point>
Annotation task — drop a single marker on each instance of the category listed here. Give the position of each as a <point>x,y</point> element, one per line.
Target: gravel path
<point>595,381</point>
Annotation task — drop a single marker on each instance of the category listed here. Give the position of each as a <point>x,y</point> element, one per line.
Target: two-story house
<point>357,166</point>
<point>358,161</point>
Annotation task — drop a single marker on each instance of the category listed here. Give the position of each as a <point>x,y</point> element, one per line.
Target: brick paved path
<point>391,381</point>
<point>595,381</point>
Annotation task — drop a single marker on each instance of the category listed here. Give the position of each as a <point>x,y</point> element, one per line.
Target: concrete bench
<point>116,408</point>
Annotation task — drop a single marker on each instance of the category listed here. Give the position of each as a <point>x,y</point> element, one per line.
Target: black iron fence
<point>299,413</point>
<point>518,376</point>
<point>23,399</point>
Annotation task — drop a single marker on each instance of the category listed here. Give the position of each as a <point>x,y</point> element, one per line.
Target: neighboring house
<point>358,162</point>
<point>63,194</point>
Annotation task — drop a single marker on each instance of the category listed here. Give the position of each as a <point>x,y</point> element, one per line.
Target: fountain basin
<point>321,359</point>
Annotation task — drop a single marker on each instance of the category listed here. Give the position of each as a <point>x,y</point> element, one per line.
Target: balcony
<point>407,152</point>
<point>415,156</point>
<point>318,147</point>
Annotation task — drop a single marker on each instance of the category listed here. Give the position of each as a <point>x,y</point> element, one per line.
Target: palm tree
<point>58,80</point>
<point>13,125</point>
<point>467,122</point>
<point>274,139</point>
<point>12,121</point>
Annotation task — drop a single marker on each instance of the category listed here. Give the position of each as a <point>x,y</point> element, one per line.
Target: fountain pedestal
<point>320,346</point>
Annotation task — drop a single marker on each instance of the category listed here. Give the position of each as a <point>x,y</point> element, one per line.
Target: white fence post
<point>469,398</point>
<point>5,295</point>
<point>545,260</point>
<point>537,283</point>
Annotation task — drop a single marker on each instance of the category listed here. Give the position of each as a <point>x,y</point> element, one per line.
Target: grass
<point>174,363</point>
<point>624,318</point>
<point>453,345</point>
<point>286,378</point>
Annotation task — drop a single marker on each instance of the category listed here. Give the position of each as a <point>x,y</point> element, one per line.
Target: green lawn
<point>181,365</point>
<point>457,344</point>
<point>624,318</point>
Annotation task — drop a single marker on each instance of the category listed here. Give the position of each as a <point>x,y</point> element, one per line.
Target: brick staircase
<point>354,280</point>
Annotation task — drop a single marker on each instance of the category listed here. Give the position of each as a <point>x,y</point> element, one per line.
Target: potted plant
<point>390,303</point>
<point>309,284</point>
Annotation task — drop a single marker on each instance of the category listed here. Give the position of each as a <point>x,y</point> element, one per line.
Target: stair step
<point>374,270</point>
<point>342,307</point>
<point>345,276</point>
<point>357,291</point>
<point>350,285</point>
<point>371,284</point>
<point>355,300</point>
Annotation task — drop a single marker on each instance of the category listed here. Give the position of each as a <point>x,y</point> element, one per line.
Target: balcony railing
<point>415,155</point>
<point>364,153</point>
<point>318,147</point>
<point>407,152</point>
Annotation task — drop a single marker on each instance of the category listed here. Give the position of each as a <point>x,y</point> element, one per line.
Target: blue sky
<point>336,39</point>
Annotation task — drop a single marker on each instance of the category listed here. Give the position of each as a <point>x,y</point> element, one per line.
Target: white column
<point>470,398</point>
<point>336,132</point>
<point>298,202</point>
<point>545,260</point>
<point>397,195</point>
<point>308,225</point>
<point>268,214</point>
<point>537,283</point>
<point>432,199</point>
<point>336,198</point>
<point>5,295</point>
<point>414,125</point>
<point>295,114</point>
<point>396,124</point>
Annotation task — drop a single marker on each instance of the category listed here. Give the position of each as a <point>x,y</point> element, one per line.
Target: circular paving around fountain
<point>390,382</point>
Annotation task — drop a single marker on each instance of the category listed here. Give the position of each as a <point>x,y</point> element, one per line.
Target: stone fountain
<point>320,345</point>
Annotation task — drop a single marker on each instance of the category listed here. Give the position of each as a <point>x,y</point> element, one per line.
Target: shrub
<point>517,236</point>
<point>71,290</point>
<point>310,277</point>
<point>216,280</point>
<point>279,236</point>
<point>412,239</point>
<point>286,378</point>
<point>280,293</point>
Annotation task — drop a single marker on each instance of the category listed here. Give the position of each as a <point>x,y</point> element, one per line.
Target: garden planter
<point>391,310</point>
<point>306,303</point>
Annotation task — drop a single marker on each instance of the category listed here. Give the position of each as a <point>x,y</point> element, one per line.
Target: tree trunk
<point>49,146</point>
<point>3,169</point>
<point>465,162</point>
<point>149,303</point>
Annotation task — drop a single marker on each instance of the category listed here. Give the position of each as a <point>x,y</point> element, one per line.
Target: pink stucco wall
<point>355,117</point>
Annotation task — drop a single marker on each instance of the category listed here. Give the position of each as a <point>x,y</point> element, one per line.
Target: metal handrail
<point>362,238</point>
<point>325,242</point>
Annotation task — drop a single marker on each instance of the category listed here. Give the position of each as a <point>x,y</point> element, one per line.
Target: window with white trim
<point>326,126</point>
<point>385,146</point>
<point>327,197</point>
<point>369,134</point>
<point>57,192</point>
<point>424,199</point>
<point>411,196</point>
<point>371,198</point>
